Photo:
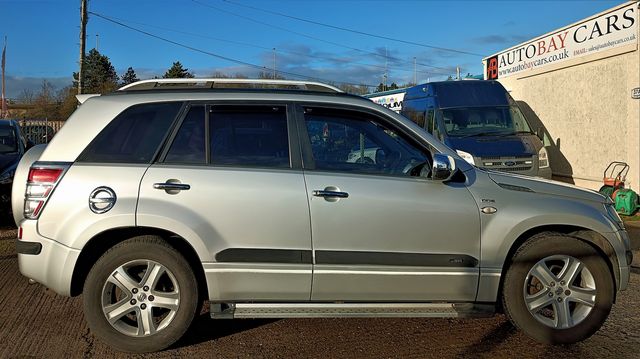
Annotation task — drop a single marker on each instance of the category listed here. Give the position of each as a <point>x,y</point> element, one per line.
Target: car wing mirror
<point>443,168</point>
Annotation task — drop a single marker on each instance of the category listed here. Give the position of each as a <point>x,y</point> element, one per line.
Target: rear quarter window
<point>134,136</point>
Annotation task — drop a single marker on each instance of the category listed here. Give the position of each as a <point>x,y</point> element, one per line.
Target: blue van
<point>482,122</point>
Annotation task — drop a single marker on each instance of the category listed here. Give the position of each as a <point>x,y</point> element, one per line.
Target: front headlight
<point>466,156</point>
<point>613,215</point>
<point>543,158</point>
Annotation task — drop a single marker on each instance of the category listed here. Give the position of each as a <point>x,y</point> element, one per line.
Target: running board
<point>349,310</point>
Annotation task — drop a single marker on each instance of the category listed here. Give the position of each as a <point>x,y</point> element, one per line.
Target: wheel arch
<point>101,242</point>
<point>595,239</point>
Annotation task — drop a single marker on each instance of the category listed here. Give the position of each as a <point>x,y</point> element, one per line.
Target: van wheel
<point>558,290</point>
<point>140,296</point>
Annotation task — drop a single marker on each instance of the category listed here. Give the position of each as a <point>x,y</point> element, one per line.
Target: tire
<point>116,285</point>
<point>564,309</point>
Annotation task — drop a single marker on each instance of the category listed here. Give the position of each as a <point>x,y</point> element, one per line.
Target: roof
<point>462,93</point>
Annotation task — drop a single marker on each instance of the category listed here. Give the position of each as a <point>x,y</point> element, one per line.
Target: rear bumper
<point>45,261</point>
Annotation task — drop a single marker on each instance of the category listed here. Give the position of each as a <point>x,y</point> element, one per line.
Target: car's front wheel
<point>558,290</point>
<point>140,296</point>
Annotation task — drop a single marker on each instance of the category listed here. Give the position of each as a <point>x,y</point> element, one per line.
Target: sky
<point>239,36</point>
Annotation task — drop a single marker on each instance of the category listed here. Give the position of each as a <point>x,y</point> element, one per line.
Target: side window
<point>189,143</point>
<point>414,110</point>
<point>348,141</point>
<point>133,136</point>
<point>430,121</point>
<point>251,136</point>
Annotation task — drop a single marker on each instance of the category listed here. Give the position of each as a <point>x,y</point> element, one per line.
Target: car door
<point>383,231</point>
<point>231,182</point>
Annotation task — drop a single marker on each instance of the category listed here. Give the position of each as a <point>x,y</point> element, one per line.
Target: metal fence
<point>40,131</point>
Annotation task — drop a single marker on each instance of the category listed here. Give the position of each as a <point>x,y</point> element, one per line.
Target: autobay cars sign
<point>612,29</point>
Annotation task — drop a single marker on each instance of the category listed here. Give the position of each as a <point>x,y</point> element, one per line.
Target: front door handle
<point>330,194</point>
<point>168,186</point>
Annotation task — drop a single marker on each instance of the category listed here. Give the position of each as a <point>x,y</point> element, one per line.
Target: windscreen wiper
<point>478,134</point>
<point>515,133</point>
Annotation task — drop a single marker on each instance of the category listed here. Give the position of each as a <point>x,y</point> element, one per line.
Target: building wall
<point>589,116</point>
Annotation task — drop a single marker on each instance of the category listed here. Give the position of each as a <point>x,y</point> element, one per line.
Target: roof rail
<point>205,84</point>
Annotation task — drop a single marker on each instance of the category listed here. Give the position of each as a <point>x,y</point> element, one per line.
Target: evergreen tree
<point>99,74</point>
<point>129,77</point>
<point>177,72</point>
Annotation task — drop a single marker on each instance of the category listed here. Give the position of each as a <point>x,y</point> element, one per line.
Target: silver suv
<point>286,199</point>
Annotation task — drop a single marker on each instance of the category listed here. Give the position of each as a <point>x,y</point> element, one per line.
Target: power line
<point>271,48</point>
<point>217,55</point>
<point>354,31</point>
<point>450,71</point>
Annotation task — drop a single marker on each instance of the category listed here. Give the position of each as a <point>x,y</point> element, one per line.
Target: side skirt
<point>350,310</point>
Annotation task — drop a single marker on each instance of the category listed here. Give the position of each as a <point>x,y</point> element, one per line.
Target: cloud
<point>16,85</point>
<point>494,39</point>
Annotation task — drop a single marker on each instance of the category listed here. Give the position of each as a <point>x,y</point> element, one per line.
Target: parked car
<point>260,200</point>
<point>12,147</point>
<point>481,121</point>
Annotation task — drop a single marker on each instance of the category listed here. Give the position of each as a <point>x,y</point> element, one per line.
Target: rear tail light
<point>40,183</point>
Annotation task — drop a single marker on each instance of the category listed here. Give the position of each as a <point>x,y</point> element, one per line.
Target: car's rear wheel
<point>140,296</point>
<point>558,289</point>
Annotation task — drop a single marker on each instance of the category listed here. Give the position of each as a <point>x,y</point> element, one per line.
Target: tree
<point>177,72</point>
<point>44,103</point>
<point>269,75</point>
<point>26,96</point>
<point>353,89</point>
<point>99,74</point>
<point>67,102</point>
<point>129,77</point>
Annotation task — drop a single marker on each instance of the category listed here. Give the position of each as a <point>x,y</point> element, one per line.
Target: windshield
<point>482,121</point>
<point>8,142</point>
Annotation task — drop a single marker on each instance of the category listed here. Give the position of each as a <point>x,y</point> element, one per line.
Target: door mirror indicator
<point>443,167</point>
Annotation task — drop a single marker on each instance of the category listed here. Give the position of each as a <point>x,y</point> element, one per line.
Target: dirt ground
<point>37,323</point>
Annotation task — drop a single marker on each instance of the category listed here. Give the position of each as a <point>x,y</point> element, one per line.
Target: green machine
<point>626,201</point>
<point>614,177</point>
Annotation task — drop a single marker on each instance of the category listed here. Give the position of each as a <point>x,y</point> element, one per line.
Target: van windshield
<point>484,121</point>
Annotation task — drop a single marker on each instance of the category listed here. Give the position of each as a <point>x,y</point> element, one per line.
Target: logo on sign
<point>635,93</point>
<point>492,68</point>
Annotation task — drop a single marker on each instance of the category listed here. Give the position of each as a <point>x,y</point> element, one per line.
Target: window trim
<point>309,163</point>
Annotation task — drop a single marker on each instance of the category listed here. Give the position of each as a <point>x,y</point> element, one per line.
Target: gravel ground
<point>37,323</point>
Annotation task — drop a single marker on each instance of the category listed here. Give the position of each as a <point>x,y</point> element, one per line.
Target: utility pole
<point>97,41</point>
<point>457,72</point>
<point>274,63</point>
<point>83,37</point>
<point>415,72</point>
<point>3,99</point>
<point>386,61</point>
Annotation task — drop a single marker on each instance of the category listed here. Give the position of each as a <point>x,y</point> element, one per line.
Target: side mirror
<point>443,167</point>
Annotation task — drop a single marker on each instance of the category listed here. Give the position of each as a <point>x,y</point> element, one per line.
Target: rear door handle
<point>168,186</point>
<point>330,194</point>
